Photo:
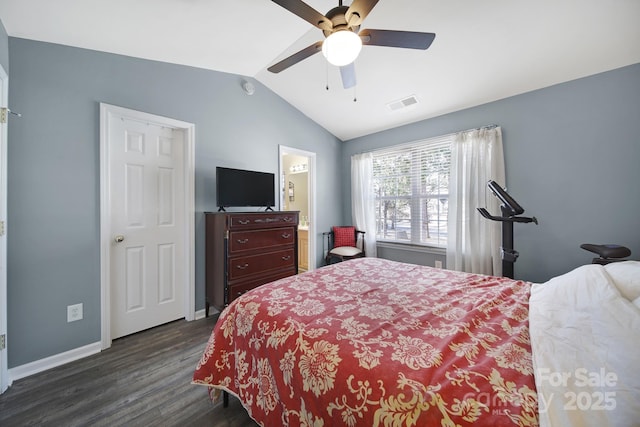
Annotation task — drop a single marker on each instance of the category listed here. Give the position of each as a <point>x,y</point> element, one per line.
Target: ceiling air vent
<point>403,103</point>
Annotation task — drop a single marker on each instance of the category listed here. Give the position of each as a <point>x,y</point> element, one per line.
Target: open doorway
<point>297,193</point>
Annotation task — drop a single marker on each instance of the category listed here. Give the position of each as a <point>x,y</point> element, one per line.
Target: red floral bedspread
<point>371,342</point>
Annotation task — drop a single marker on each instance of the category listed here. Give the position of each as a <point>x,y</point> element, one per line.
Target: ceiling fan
<point>343,38</point>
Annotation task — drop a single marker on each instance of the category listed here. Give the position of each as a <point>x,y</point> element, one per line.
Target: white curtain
<point>363,199</point>
<point>474,242</point>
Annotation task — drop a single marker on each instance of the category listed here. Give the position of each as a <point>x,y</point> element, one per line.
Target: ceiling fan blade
<point>307,13</point>
<point>359,10</point>
<point>390,38</point>
<point>296,57</point>
<point>348,73</point>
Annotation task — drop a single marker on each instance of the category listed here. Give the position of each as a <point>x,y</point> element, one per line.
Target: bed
<point>373,342</point>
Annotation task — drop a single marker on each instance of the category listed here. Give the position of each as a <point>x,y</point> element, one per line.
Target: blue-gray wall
<point>572,155</point>
<point>53,194</point>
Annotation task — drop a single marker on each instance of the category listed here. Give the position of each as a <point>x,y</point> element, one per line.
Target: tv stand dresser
<point>244,250</point>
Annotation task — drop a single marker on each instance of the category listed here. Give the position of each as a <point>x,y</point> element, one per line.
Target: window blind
<point>411,183</point>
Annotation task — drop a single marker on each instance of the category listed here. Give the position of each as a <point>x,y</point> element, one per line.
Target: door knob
<point>119,238</point>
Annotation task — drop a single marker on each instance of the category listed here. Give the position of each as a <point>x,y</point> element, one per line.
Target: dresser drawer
<point>240,241</point>
<point>238,288</point>
<point>245,266</point>
<point>262,220</point>
<point>244,250</point>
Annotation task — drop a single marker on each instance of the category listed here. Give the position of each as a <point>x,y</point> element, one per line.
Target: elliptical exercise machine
<point>510,211</point>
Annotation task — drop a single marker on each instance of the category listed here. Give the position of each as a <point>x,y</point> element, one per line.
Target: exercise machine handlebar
<point>510,211</point>
<point>485,213</point>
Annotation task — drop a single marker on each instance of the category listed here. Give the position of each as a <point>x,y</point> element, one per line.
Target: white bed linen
<point>585,338</point>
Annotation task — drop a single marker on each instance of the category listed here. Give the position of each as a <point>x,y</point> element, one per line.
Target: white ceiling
<point>483,51</point>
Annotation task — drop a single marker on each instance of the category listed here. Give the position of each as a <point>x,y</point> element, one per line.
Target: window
<point>411,184</point>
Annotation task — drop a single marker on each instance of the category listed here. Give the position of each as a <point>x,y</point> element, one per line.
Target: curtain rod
<point>434,138</point>
<point>488,127</point>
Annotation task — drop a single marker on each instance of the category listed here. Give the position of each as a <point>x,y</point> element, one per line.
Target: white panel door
<point>147,223</point>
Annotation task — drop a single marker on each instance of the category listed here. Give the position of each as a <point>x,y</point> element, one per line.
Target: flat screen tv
<point>240,188</point>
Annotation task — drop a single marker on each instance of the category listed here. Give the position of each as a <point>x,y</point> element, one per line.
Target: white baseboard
<point>37,366</point>
<point>34,367</point>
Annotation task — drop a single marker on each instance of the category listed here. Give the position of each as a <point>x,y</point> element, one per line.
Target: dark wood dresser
<point>245,250</point>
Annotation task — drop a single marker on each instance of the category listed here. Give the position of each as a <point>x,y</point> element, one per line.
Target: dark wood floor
<point>142,380</point>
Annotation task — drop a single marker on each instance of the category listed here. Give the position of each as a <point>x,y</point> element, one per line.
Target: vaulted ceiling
<point>483,50</point>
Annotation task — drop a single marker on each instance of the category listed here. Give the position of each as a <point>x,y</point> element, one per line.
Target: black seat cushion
<point>607,251</point>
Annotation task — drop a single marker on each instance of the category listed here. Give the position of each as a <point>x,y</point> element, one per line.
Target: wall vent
<point>402,103</point>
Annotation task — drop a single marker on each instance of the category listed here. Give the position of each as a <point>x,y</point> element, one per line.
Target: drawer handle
<point>286,235</point>
<point>287,219</point>
<point>242,267</point>
<point>267,220</point>
<point>242,241</point>
<point>243,221</point>
<point>286,258</point>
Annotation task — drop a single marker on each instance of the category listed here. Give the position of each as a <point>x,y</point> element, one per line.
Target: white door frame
<point>4,372</point>
<point>106,111</point>
<point>282,150</point>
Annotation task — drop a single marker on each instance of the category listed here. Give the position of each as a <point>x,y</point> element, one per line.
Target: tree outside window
<point>411,184</point>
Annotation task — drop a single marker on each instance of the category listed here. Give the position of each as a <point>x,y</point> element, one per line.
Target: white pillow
<point>626,277</point>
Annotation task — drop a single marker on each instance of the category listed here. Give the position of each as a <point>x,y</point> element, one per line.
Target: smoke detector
<point>248,87</point>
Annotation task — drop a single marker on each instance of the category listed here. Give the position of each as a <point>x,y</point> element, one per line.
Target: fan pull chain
<point>326,73</point>
<point>355,94</point>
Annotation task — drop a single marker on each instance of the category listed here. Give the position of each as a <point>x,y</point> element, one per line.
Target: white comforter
<point>585,335</point>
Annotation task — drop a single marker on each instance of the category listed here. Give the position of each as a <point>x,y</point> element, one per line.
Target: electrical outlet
<point>438,264</point>
<point>74,312</point>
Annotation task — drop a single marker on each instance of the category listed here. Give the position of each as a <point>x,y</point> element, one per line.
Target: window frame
<point>416,198</point>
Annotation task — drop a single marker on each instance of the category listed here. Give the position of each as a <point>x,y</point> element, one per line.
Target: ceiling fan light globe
<point>342,47</point>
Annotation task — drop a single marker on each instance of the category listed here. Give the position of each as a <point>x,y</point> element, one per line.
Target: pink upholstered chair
<point>342,243</point>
